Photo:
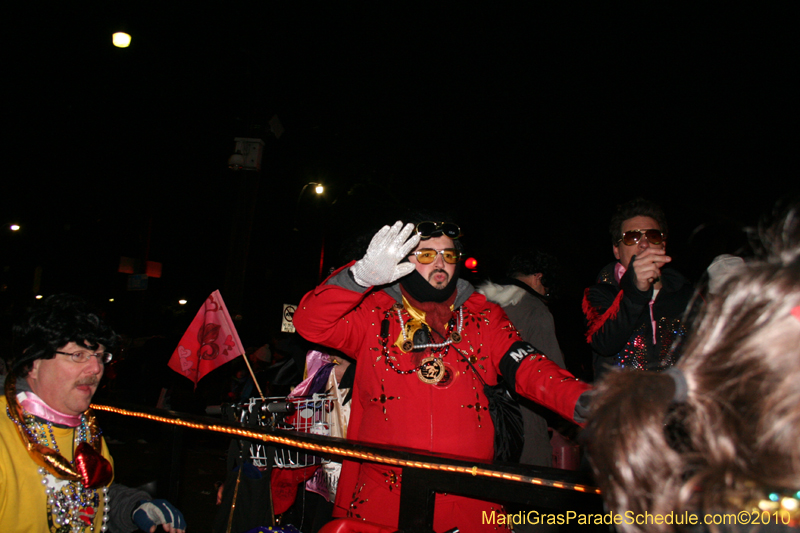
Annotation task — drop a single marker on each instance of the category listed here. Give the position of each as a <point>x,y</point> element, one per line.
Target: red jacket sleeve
<point>546,383</point>
<point>328,315</point>
<point>537,377</point>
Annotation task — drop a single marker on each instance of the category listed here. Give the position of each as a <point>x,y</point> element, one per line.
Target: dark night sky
<point>528,123</point>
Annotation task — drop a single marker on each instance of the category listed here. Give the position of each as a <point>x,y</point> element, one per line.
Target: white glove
<point>381,264</point>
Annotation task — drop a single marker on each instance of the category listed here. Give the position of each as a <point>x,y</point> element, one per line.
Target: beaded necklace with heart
<point>71,506</point>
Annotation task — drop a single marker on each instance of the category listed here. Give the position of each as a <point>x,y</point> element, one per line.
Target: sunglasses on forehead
<point>426,256</point>
<point>426,230</point>
<point>653,236</point>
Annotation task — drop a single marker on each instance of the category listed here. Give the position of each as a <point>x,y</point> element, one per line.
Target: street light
<point>121,39</point>
<point>318,188</point>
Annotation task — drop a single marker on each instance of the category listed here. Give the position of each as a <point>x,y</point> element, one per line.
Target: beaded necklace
<point>431,369</point>
<point>71,487</point>
<point>71,506</point>
<point>455,336</point>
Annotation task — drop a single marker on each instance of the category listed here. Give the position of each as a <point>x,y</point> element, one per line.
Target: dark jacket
<point>620,329</point>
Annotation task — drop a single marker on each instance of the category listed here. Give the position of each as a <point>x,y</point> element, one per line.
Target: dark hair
<point>533,261</point>
<point>735,436</point>
<point>415,217</point>
<point>638,207</point>
<point>51,324</point>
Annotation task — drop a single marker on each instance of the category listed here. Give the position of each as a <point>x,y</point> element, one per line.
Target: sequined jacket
<point>619,319</point>
<point>392,406</point>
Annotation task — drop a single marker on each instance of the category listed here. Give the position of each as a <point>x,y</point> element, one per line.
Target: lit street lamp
<point>318,188</point>
<point>121,39</point>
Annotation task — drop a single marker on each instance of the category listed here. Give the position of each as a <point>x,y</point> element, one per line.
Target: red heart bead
<point>95,469</point>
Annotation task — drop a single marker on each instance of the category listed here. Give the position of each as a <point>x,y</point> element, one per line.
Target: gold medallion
<point>431,370</point>
<point>455,336</point>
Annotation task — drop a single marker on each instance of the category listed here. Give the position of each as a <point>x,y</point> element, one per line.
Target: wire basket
<point>304,414</point>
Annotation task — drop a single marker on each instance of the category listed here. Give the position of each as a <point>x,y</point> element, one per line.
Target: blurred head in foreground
<point>720,431</point>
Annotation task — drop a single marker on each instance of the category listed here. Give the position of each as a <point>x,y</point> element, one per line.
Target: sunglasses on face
<point>428,255</point>
<point>426,230</point>
<point>653,236</point>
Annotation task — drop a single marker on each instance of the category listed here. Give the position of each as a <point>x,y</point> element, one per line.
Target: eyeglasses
<point>653,236</point>
<point>82,357</point>
<point>428,255</point>
<point>426,230</point>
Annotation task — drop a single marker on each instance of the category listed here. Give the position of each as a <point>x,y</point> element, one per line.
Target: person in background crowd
<point>523,296</point>
<point>531,276</point>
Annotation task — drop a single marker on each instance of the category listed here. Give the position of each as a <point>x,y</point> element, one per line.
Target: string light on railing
<point>366,456</point>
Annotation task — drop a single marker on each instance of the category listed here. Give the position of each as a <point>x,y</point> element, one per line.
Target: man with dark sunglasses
<point>634,309</point>
<point>425,342</point>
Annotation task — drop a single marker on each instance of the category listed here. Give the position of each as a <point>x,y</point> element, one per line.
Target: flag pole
<point>252,375</point>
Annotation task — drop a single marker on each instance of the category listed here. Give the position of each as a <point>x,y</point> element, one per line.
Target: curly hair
<point>638,207</point>
<point>53,323</point>
<point>735,435</point>
<point>534,261</point>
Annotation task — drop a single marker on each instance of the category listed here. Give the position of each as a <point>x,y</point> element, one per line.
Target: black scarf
<point>422,291</point>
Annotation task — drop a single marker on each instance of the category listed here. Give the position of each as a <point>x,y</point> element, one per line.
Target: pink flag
<point>210,341</point>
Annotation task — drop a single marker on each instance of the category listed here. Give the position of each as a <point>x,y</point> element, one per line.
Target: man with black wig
<point>425,342</point>
<point>55,469</point>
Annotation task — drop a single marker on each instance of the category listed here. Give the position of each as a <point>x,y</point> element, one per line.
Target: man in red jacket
<point>420,335</point>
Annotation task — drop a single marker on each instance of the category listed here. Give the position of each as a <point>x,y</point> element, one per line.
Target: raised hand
<point>381,264</point>
<point>647,267</point>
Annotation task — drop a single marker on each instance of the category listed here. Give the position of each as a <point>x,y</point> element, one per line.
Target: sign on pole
<point>287,324</point>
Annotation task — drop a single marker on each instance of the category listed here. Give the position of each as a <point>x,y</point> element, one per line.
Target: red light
<point>471,263</point>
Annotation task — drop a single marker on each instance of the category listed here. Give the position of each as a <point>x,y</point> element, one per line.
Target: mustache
<point>87,381</point>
